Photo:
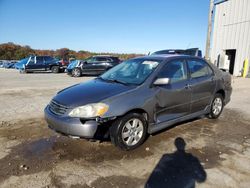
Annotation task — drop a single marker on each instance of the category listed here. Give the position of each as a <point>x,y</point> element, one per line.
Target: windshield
<point>73,64</point>
<point>134,71</point>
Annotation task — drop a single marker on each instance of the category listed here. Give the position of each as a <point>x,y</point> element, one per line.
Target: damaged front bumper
<point>74,127</point>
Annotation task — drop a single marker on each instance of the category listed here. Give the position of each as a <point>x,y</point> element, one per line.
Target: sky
<point>122,26</point>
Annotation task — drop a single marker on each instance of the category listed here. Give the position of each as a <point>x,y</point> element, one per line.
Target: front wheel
<point>129,131</point>
<point>55,69</point>
<point>216,107</point>
<point>76,72</point>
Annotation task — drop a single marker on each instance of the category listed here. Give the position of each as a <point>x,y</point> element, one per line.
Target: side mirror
<point>161,81</point>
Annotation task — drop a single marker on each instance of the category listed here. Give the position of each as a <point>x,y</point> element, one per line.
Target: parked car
<point>192,52</point>
<point>95,65</point>
<point>75,65</point>
<point>138,97</point>
<point>64,63</point>
<point>20,65</point>
<point>9,64</point>
<point>40,63</point>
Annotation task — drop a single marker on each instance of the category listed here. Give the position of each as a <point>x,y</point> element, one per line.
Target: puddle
<point>210,156</point>
<point>41,149</point>
<point>117,181</point>
<point>25,129</point>
<point>44,153</point>
<point>103,182</point>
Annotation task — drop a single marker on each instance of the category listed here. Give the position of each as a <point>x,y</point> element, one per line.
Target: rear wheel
<point>216,107</point>
<point>55,69</point>
<point>76,72</point>
<point>129,131</point>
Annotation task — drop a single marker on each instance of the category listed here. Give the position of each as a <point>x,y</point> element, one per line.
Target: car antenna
<point>189,44</point>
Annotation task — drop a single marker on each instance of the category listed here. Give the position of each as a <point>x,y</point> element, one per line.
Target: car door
<point>31,64</point>
<point>94,64</point>
<point>173,99</point>
<point>40,65</point>
<point>101,64</point>
<point>48,61</point>
<point>202,83</point>
<point>88,65</point>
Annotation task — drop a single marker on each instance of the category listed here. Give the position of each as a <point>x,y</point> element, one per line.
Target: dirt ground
<point>216,153</point>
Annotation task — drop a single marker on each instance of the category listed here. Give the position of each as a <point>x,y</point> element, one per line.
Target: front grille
<point>57,108</point>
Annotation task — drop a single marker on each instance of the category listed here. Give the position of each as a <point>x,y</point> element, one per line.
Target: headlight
<point>90,110</point>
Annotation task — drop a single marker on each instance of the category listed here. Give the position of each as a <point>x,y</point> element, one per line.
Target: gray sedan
<point>138,97</point>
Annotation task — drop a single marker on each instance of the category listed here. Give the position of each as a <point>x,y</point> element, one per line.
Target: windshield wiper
<point>117,81</point>
<point>114,80</point>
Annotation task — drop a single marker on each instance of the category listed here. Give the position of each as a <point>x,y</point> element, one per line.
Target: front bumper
<point>70,126</point>
<point>69,71</point>
<point>64,66</point>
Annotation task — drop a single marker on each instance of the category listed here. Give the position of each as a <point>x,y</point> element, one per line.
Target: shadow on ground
<point>178,169</point>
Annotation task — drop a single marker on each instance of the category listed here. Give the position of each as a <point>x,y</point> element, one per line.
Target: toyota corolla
<point>138,97</point>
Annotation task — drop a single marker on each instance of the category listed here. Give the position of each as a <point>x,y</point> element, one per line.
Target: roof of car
<point>162,57</point>
<point>104,56</point>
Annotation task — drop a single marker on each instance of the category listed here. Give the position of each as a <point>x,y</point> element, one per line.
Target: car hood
<point>19,65</point>
<point>92,91</point>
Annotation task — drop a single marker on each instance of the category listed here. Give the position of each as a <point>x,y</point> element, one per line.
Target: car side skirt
<point>163,125</point>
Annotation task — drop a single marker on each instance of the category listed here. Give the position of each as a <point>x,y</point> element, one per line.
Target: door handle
<point>188,86</point>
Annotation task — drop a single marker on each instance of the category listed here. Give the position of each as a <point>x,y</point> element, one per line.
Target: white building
<point>230,44</point>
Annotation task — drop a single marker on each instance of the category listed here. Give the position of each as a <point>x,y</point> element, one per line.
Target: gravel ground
<point>217,152</point>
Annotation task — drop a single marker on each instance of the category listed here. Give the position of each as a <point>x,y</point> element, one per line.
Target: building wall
<point>231,30</point>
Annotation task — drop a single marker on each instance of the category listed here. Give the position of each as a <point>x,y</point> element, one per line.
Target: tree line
<point>11,51</point>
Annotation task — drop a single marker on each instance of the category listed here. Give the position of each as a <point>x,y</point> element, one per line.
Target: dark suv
<point>191,52</point>
<point>42,63</point>
<point>93,66</point>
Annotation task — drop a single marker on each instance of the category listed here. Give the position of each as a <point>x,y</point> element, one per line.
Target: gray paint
<point>163,105</point>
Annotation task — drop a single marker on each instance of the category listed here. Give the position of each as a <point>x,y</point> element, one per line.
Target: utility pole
<point>209,30</point>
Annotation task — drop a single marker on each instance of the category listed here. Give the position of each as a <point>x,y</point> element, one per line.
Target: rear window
<point>199,68</point>
<point>48,58</point>
<point>115,59</point>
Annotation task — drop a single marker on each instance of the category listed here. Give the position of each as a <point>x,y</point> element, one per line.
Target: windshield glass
<point>73,64</point>
<point>134,71</point>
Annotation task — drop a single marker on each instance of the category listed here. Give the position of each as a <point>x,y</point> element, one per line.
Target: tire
<point>129,131</point>
<point>55,69</point>
<point>22,71</point>
<point>216,106</point>
<point>76,72</point>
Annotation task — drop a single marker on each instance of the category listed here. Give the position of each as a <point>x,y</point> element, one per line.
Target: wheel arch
<point>140,111</point>
<point>53,65</point>
<point>222,92</point>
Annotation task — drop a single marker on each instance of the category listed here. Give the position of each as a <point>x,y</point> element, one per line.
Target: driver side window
<point>32,61</point>
<point>90,60</point>
<point>175,70</point>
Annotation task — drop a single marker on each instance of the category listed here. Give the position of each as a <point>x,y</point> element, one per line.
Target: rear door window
<point>199,68</point>
<point>48,59</point>
<point>101,59</point>
<point>39,60</point>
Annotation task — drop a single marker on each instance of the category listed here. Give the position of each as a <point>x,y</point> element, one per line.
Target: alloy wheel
<point>132,132</point>
<point>217,106</point>
<point>75,72</point>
